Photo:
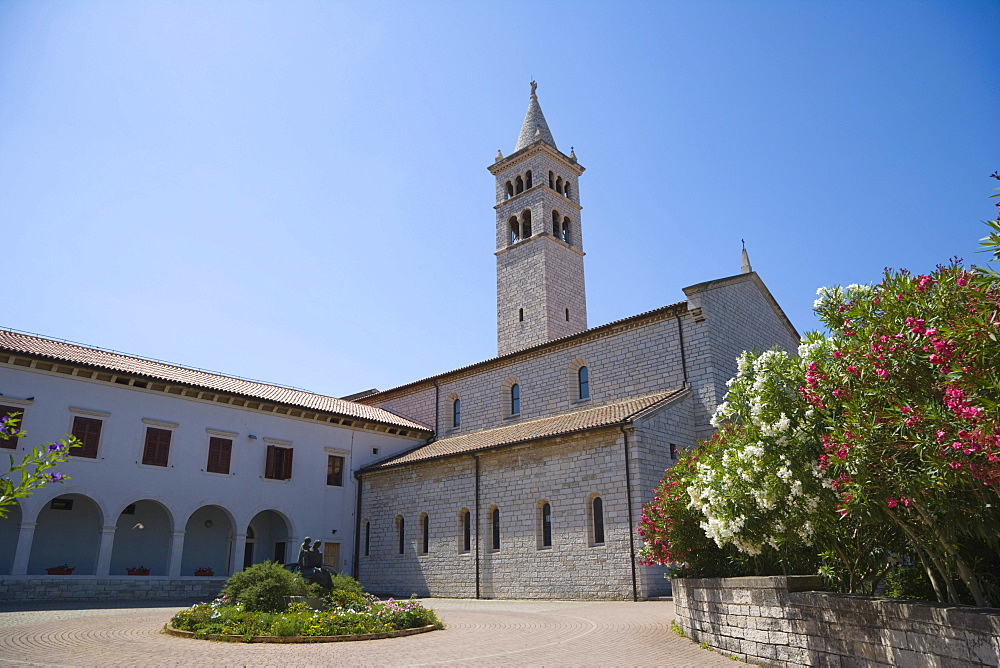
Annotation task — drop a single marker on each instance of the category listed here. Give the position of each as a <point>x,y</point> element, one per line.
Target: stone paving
<point>523,633</point>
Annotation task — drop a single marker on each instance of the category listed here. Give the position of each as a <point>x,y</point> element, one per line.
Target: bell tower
<point>539,243</point>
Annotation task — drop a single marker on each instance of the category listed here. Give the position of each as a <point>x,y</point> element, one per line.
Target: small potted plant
<point>137,570</point>
<point>204,571</point>
<point>62,569</point>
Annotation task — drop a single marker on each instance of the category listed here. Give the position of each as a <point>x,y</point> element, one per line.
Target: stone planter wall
<point>15,588</point>
<point>784,621</point>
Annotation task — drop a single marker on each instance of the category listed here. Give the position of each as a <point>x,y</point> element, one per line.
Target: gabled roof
<point>71,353</point>
<point>608,415</point>
<point>534,127</point>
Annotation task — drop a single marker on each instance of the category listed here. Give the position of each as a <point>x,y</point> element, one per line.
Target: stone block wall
<point>14,588</point>
<point>782,621</point>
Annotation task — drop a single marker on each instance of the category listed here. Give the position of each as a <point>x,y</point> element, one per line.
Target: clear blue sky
<point>297,191</point>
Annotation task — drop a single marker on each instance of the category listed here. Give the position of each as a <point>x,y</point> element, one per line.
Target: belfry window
<point>510,189</point>
<point>527,179</point>
<point>515,230</point>
<point>555,224</point>
<point>559,184</point>
<point>565,230</point>
<point>456,413</point>
<point>519,185</point>
<point>583,382</point>
<point>566,189</point>
<point>552,180</point>
<point>515,399</point>
<point>526,224</point>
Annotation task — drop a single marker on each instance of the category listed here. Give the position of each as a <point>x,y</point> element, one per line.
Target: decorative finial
<point>572,154</point>
<point>741,240</point>
<point>538,132</point>
<point>534,86</point>
<point>746,268</point>
<point>499,155</point>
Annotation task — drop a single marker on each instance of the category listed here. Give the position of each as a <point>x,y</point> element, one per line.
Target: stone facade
<point>783,621</point>
<point>90,588</point>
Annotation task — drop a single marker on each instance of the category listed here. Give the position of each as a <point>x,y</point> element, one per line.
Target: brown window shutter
<point>269,463</point>
<point>219,455</point>
<point>88,432</point>
<point>288,464</point>
<point>14,413</point>
<point>157,450</point>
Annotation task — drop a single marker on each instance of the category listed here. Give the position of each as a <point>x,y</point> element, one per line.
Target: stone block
<point>984,648</point>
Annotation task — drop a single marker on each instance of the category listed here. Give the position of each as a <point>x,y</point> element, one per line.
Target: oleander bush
<point>264,587</point>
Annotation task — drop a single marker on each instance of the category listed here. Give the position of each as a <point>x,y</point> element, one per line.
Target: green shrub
<point>263,587</point>
<point>346,583</point>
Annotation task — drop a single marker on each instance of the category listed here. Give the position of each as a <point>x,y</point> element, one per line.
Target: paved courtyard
<point>478,633</point>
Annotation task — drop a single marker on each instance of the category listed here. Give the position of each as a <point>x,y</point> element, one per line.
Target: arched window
<point>526,224</point>
<point>527,179</point>
<point>555,224</point>
<point>565,230</point>
<point>368,539</point>
<point>519,185</point>
<point>400,524</point>
<point>567,315</point>
<point>425,534</point>
<point>598,519</point>
<point>520,315</point>
<point>515,399</point>
<point>515,228</point>
<point>583,382</point>
<point>552,180</point>
<point>546,525</point>
<point>559,186</point>
<point>456,413</point>
<point>510,189</point>
<point>466,531</point>
<point>496,528</point>
<point>566,188</point>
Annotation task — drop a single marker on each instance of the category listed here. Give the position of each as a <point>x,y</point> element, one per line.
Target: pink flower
<point>891,502</point>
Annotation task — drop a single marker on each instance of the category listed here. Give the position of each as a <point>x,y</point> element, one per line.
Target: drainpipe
<point>631,521</point>
<point>476,457</point>
<point>680,337</point>
<point>357,528</point>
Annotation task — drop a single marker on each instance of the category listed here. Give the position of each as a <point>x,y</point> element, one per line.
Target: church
<point>521,476</point>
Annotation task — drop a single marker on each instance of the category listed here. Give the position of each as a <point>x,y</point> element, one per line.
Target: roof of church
<point>608,415</point>
<point>36,346</point>
<point>534,126</point>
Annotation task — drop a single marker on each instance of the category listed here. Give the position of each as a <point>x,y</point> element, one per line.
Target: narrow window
<point>456,413</point>
<point>515,230</point>
<point>515,399</point>
<point>673,451</point>
<point>527,178</point>
<point>565,230</point>
<point>278,465</point>
<point>467,531</point>
<point>526,224</point>
<point>598,510</point>
<point>559,184</point>
<point>567,315</point>
<point>157,448</point>
<point>220,451</point>
<point>555,224</point>
<point>496,528</point>
<point>546,525</point>
<point>11,413</point>
<point>518,185</point>
<point>402,533</point>
<point>566,189</point>
<point>87,431</point>
<point>552,180</point>
<point>335,470</point>
<point>425,531</point>
<point>510,190</point>
<point>368,539</point>
<point>520,315</point>
<point>583,378</point>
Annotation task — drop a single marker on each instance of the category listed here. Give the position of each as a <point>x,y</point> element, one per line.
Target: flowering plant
<point>31,473</point>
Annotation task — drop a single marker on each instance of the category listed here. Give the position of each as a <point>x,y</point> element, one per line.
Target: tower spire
<point>746,268</point>
<point>534,127</point>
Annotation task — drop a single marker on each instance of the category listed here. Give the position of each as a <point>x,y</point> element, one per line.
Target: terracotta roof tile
<point>36,346</point>
<point>520,432</point>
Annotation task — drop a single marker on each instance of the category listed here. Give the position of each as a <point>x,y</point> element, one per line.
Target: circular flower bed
<point>364,617</point>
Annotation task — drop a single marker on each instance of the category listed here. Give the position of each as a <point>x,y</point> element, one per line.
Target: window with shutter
<point>157,450</point>
<point>219,454</point>
<point>87,431</point>
<point>10,411</point>
<point>335,470</point>
<point>278,465</point>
